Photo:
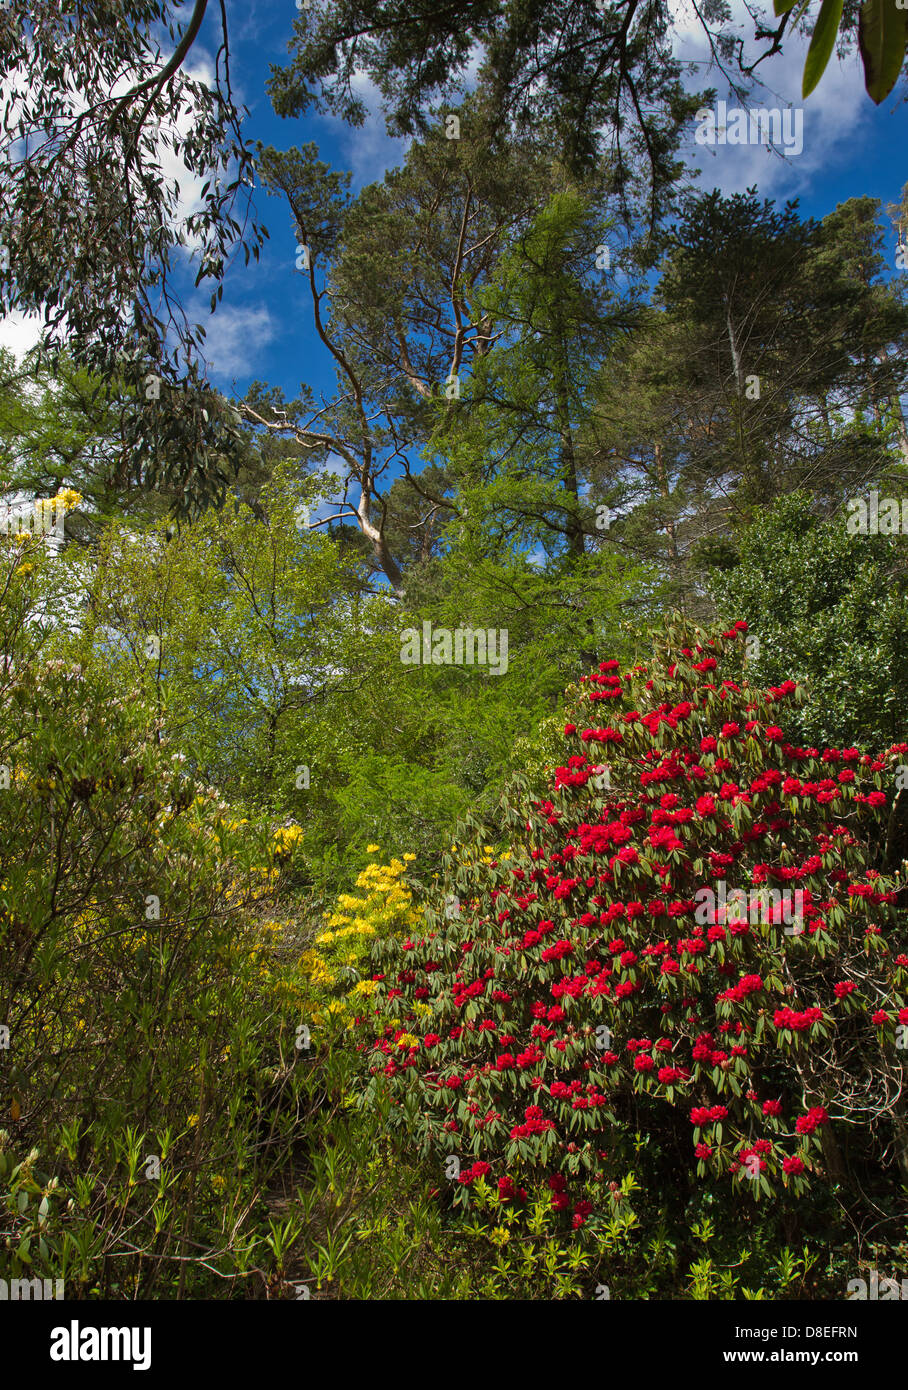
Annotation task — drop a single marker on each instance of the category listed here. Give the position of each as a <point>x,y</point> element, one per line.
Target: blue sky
<point>263,327</point>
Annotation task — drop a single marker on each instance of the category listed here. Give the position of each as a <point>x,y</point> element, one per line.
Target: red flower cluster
<point>798,1022</point>
<point>702,1115</point>
<point>806,1124</point>
<point>586,971</point>
<point>480,1169</point>
<point>534,1123</point>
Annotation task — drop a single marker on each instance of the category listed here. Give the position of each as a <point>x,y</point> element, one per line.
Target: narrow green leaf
<point>881,38</point>
<point>821,44</point>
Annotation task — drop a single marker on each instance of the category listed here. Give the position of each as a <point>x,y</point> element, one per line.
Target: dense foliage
<point>342,955</point>
<point>689,968</point>
<point>834,617</point>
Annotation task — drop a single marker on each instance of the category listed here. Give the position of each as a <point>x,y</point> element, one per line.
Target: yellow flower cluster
<point>45,509</point>
<point>286,838</point>
<point>318,972</point>
<point>65,500</point>
<point>380,906</point>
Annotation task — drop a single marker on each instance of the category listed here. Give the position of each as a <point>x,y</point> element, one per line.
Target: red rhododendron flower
<point>701,979</point>
<point>806,1124</point>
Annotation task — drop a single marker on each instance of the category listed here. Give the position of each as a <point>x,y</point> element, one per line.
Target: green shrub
<point>585,1013</point>
<point>152,1082</point>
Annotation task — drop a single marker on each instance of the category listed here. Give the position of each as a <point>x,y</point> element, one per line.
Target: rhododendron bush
<point>689,936</point>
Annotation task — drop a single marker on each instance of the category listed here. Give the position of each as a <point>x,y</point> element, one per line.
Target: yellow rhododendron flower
<point>286,836</point>
<point>381,905</point>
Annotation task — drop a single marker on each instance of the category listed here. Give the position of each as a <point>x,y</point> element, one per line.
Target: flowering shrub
<point>381,906</point>
<point>150,1086</point>
<point>701,951</point>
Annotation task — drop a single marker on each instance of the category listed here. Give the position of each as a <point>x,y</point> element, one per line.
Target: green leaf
<point>821,44</point>
<point>881,38</point>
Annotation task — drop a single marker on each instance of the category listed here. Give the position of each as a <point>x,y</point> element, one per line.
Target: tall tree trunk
<point>573,529</point>
<point>757,484</point>
<point>901,428</point>
<point>662,476</point>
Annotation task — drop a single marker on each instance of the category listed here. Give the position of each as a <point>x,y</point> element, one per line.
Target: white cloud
<point>369,148</point>
<point>19,332</point>
<point>173,167</point>
<point>470,75</point>
<point>235,336</point>
<point>836,116</point>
